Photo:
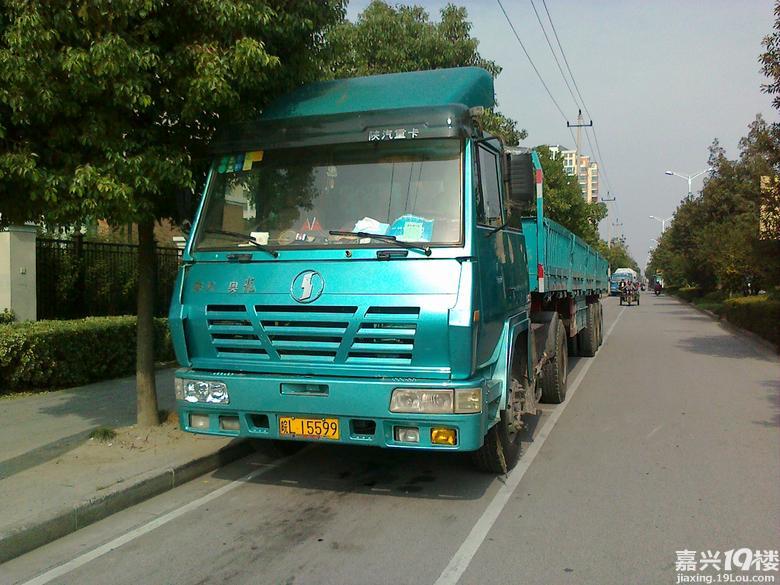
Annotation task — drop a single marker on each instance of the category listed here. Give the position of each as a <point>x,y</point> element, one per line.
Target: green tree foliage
<point>770,60</point>
<point>563,200</point>
<point>391,39</point>
<point>713,241</point>
<point>106,107</point>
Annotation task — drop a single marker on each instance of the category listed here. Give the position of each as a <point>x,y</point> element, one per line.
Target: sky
<point>662,79</point>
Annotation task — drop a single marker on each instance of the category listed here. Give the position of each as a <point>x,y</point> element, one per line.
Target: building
<point>569,158</point>
<point>580,166</point>
<point>593,183</point>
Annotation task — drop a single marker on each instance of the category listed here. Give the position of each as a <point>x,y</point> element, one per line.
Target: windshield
<point>294,197</point>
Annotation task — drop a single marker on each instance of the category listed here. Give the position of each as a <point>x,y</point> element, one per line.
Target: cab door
<point>493,260</point>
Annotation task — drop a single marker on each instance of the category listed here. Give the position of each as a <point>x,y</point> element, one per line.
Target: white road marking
<point>87,557</point>
<point>654,431</point>
<point>460,562</point>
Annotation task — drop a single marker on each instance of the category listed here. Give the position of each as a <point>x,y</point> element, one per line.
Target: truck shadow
<point>111,403</point>
<point>726,346</point>
<point>382,472</point>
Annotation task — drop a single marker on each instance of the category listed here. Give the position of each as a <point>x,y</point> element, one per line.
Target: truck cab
<point>353,275</point>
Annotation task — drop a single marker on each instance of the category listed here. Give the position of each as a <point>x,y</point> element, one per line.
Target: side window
<point>489,197</point>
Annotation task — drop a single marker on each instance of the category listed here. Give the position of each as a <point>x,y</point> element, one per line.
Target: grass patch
<point>714,306</point>
<point>103,434</point>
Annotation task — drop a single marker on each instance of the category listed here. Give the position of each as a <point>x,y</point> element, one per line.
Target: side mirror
<point>522,184</point>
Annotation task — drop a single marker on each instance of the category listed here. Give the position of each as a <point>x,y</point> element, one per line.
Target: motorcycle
<point>629,295</point>
<point>657,290</point>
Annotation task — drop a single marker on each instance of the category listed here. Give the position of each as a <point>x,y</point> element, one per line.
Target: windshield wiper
<point>383,238</point>
<point>246,238</point>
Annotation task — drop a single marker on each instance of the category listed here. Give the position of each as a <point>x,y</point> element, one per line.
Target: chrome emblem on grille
<point>307,286</point>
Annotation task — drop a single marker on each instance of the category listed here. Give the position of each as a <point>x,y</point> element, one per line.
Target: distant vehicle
<point>629,293</point>
<point>619,275</point>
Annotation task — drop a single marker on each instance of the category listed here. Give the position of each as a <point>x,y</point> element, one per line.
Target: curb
<point>24,537</point>
<point>755,338</point>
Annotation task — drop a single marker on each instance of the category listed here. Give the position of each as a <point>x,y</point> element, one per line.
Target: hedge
<point>688,293</point>
<point>759,314</point>
<point>58,354</point>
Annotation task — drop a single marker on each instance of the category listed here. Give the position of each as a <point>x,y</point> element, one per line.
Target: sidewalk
<point>54,480</point>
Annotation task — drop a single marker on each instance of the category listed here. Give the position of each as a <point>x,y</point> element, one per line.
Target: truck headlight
<point>424,401</point>
<point>201,391</point>
<point>421,401</point>
<point>468,400</point>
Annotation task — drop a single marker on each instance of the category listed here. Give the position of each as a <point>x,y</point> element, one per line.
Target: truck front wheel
<point>501,449</point>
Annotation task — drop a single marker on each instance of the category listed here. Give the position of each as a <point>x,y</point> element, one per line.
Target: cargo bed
<point>567,263</point>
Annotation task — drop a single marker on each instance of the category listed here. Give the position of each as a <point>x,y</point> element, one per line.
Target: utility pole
<point>607,200</point>
<point>578,125</point>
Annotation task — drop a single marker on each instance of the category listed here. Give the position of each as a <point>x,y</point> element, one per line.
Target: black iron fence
<point>78,278</point>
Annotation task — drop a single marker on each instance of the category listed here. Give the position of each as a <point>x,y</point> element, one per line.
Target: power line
<point>563,54</point>
<point>600,158</point>
<point>533,65</point>
<point>555,56</point>
<point>579,93</point>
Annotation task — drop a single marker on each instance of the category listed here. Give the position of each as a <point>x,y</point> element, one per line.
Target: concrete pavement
<point>54,481</point>
<point>670,442</point>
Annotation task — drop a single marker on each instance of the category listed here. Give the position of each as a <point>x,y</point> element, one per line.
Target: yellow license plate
<point>309,428</point>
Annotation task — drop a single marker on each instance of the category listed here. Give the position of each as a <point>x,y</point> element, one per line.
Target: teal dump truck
<point>359,271</point>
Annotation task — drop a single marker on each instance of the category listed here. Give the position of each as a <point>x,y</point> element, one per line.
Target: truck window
<point>293,197</point>
<point>489,197</point>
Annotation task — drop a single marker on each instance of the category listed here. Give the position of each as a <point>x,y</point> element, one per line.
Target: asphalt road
<point>670,441</point>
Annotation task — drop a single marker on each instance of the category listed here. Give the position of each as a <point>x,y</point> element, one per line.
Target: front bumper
<point>361,405</point>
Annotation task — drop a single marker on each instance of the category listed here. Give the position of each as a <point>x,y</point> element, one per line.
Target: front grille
<point>232,332</point>
<point>300,332</point>
<point>383,335</point>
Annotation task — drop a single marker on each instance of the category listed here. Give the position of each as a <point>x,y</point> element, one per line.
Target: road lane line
<point>462,558</point>
<point>95,553</point>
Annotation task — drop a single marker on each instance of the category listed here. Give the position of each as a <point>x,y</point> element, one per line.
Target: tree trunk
<point>146,390</point>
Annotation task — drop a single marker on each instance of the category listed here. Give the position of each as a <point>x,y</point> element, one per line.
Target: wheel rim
<point>514,412</point>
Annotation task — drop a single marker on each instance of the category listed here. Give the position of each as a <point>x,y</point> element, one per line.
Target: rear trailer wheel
<point>588,340</point>
<point>554,371</point>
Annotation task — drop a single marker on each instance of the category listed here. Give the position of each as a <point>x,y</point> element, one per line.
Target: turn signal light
<point>444,436</point>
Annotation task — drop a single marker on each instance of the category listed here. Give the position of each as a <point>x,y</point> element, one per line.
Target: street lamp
<point>663,221</point>
<point>688,178</point>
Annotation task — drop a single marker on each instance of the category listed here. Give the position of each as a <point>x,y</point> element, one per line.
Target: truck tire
<point>588,340</point>
<point>501,449</point>
<point>554,371</point>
